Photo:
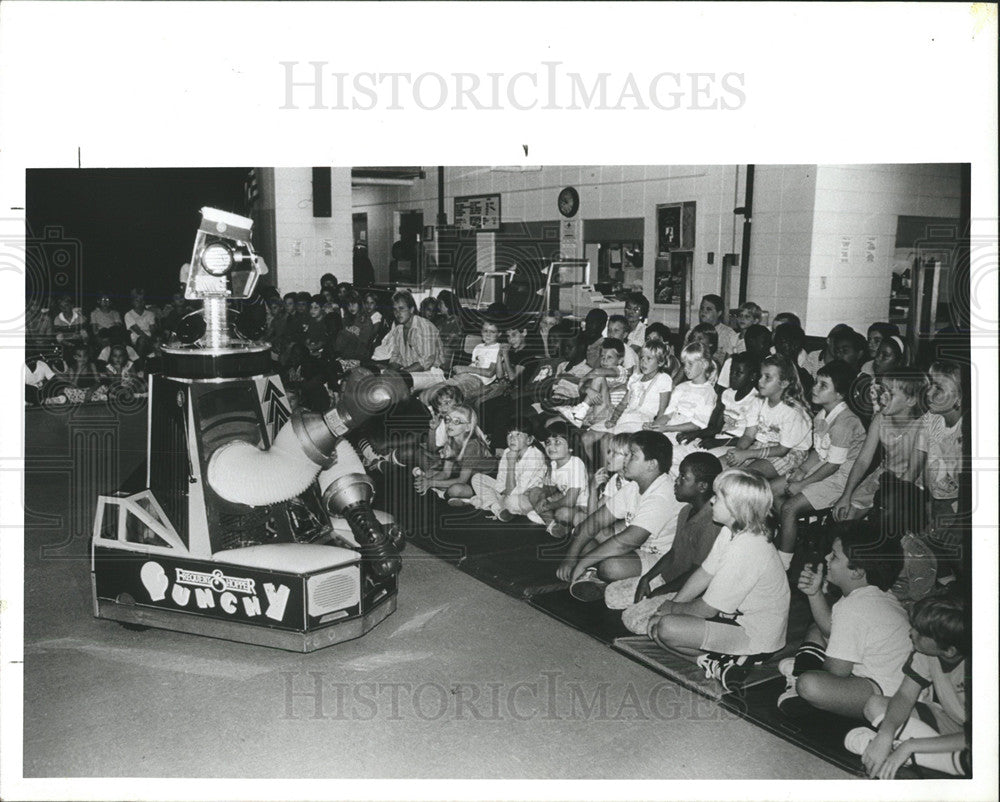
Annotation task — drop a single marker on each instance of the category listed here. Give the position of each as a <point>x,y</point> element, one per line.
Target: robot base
<point>242,633</point>
<point>295,596</point>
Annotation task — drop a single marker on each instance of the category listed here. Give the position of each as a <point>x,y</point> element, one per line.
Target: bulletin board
<point>477,212</point>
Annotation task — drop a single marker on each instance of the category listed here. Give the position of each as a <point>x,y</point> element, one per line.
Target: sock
<point>809,657</point>
<point>367,450</point>
<point>786,559</point>
<point>581,409</point>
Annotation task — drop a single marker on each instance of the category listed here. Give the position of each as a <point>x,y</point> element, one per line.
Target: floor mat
<point>821,733</point>
<point>681,668</point>
<point>524,573</point>
<point>593,618</point>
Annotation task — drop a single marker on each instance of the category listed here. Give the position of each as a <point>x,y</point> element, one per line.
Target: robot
<point>250,522</point>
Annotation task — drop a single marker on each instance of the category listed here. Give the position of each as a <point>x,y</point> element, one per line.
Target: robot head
<point>223,263</point>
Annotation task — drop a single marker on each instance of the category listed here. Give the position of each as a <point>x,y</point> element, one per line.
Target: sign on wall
<point>478,212</point>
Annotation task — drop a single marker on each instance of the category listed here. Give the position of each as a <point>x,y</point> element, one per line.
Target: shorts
<point>619,595</point>
<point>636,617</point>
<point>863,497</point>
<point>788,463</point>
<point>824,493</point>
<point>647,558</point>
<point>726,637</point>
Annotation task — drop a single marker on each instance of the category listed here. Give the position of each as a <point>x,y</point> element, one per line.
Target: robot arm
<point>307,444</point>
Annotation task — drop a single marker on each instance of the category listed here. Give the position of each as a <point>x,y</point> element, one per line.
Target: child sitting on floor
<point>738,406</point>
<point>641,597</point>
<point>464,453</point>
<point>930,732</point>
<point>618,330</point>
<point>600,387</point>
<point>748,314</point>
<point>902,430</point>
<point>645,399</point>
<point>735,605</point>
<point>693,401</point>
<point>522,466</point>
<point>857,648</point>
<point>778,441</point>
<point>608,481</point>
<point>563,493</point>
<point>944,454</point>
<point>627,535</point>
<point>838,436</point>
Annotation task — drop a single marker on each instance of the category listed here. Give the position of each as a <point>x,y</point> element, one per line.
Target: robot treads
<point>254,523</point>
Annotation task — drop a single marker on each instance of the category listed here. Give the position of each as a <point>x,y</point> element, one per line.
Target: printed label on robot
<point>215,590</point>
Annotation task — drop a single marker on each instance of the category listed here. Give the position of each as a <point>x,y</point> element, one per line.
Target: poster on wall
<point>478,212</point>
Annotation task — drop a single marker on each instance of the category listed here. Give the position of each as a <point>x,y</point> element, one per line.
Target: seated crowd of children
<point>681,486</point>
<point>75,357</point>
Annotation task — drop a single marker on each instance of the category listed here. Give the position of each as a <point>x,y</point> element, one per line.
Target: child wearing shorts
<point>855,649</point>
<point>838,436</point>
<point>601,551</point>
<point>902,430</point>
<point>735,605</point>
<point>640,597</point>
<point>910,726</point>
<point>522,466</point>
<point>563,493</point>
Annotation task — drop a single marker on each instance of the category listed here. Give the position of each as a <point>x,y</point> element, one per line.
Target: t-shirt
<point>838,438</point>
<point>749,580</point>
<point>485,356</point>
<point>738,412</point>
<point>631,360</point>
<point>870,628</point>
<point>692,403</point>
<point>904,444</point>
<point>41,373</point>
<point>144,320</point>
<point>727,338</point>
<point>944,457</point>
<point>783,425</point>
<point>572,474</point>
<point>945,685</point>
<point>614,486</point>
<point>696,535</point>
<point>99,319</point>
<point>529,470</point>
<point>637,337</point>
<point>655,511</point>
<point>644,396</point>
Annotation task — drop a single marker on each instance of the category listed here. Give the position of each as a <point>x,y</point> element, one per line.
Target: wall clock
<point>569,202</point>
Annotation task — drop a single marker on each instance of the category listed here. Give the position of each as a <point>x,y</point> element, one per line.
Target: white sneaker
<point>588,586</point>
<point>786,667</point>
<point>857,740</point>
<point>569,413</point>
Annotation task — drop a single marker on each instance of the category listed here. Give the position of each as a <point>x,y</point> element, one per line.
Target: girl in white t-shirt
<point>735,605</point>
<point>647,394</point>
<point>692,401</point>
<point>778,440</point>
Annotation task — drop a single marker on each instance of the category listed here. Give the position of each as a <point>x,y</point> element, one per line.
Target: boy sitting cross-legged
<point>597,553</point>
<point>856,649</point>
<point>641,597</point>
<point>930,732</point>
